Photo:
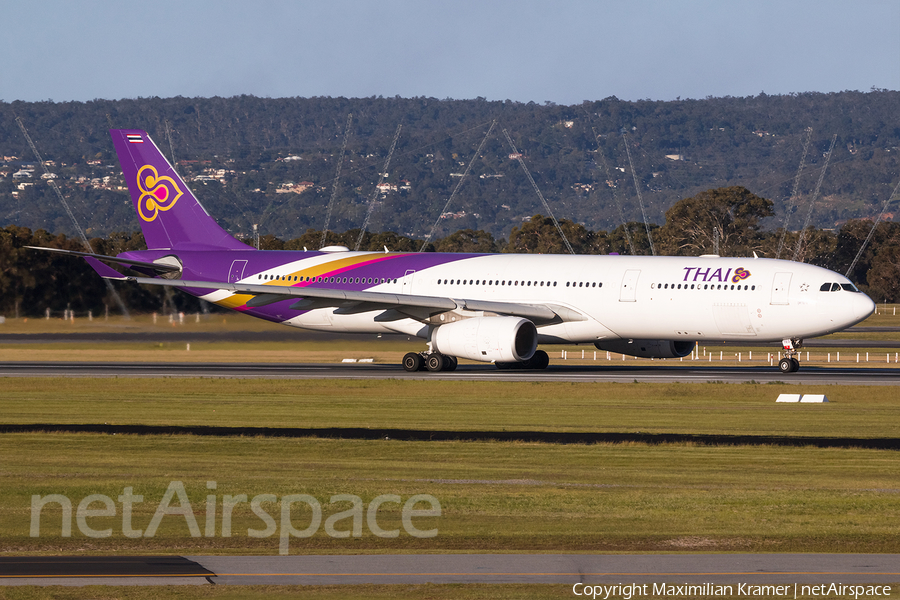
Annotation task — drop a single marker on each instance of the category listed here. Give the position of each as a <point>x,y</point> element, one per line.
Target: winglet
<point>103,270</point>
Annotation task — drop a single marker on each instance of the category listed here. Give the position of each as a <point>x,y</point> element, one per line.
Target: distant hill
<point>273,161</point>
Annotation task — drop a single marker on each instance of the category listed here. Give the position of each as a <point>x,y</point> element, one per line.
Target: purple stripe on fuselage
<point>349,268</point>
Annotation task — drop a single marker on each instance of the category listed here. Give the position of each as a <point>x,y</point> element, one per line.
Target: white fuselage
<point>619,297</point>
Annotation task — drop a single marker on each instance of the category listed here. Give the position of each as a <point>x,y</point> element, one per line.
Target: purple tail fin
<point>169,214</point>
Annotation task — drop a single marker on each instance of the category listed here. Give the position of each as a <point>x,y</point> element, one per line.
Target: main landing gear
<point>789,362</point>
<point>435,362</point>
<point>429,361</point>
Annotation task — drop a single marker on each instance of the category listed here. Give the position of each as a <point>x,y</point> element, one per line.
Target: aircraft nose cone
<point>862,306</point>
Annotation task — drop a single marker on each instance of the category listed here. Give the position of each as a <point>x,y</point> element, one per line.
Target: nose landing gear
<point>789,362</point>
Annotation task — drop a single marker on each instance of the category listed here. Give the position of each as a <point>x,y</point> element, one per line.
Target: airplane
<point>492,308</point>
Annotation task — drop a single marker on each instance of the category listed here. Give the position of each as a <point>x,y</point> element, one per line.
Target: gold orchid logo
<point>157,193</point>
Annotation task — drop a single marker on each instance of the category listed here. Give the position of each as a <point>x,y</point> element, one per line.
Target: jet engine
<point>647,348</point>
<point>486,339</point>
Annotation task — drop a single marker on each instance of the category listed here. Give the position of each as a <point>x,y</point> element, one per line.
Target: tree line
<point>576,155</point>
<point>724,221</point>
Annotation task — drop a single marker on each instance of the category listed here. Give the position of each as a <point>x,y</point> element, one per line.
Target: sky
<point>562,51</point>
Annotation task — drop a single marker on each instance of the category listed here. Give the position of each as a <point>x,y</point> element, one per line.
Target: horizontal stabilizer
<point>125,262</point>
<point>103,270</point>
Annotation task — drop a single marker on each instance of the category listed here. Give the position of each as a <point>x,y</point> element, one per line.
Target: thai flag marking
<point>134,138</point>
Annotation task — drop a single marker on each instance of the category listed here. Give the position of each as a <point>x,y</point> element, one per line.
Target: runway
<point>563,569</point>
<point>672,371</point>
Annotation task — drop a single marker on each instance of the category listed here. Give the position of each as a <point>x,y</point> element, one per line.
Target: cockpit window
<point>836,287</point>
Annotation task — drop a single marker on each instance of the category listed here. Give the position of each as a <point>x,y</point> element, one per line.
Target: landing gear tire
<point>789,365</point>
<point>450,363</point>
<point>413,361</point>
<point>435,362</point>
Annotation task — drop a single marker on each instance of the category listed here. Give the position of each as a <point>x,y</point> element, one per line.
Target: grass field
<point>695,408</point>
<point>495,496</point>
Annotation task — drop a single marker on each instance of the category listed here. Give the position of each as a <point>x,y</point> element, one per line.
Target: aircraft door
<point>237,271</point>
<point>407,282</point>
<point>780,287</point>
<point>629,286</point>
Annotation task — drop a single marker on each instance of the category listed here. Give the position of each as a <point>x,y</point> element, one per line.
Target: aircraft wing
<point>347,301</point>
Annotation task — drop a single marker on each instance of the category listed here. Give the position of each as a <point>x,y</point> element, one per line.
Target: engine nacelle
<point>486,339</point>
<point>647,348</point>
